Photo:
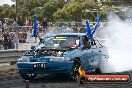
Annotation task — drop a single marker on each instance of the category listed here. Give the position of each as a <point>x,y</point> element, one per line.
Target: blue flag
<point>88,30</point>
<point>35,28</point>
<point>96,25</point>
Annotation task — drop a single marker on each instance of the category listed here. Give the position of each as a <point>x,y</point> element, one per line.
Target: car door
<point>86,53</point>
<point>96,56</point>
<point>91,54</point>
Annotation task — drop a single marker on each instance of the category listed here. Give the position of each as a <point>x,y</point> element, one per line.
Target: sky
<point>6,2</point>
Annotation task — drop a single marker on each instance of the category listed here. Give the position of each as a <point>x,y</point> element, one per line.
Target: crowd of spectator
<point>7,40</point>
<point>8,37</point>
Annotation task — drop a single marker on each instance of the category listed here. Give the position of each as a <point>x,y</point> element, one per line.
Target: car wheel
<point>27,76</point>
<point>75,68</point>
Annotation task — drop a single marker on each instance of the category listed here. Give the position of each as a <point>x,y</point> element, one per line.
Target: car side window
<point>86,44</point>
<point>71,42</point>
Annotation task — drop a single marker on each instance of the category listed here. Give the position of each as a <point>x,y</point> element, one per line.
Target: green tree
<point>41,8</point>
<point>50,7</point>
<point>52,10</point>
<point>12,12</point>
<point>4,11</point>
<point>69,12</point>
<point>74,10</point>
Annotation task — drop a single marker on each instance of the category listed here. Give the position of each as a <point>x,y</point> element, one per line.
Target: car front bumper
<point>45,67</point>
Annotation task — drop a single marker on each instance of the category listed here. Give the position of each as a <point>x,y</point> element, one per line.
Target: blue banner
<point>96,25</point>
<point>35,28</point>
<point>88,30</point>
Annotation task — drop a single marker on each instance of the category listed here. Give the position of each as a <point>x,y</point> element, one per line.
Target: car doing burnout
<point>63,53</point>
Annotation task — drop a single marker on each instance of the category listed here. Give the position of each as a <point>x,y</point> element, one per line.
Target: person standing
<point>0,23</point>
<point>5,42</point>
<point>20,22</point>
<point>29,23</point>
<point>44,25</point>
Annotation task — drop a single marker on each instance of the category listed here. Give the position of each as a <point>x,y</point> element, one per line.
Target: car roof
<point>67,34</point>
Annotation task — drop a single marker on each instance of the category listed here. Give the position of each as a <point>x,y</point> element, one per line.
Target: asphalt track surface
<point>15,81</point>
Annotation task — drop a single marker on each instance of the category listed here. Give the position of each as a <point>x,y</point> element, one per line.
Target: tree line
<point>53,10</point>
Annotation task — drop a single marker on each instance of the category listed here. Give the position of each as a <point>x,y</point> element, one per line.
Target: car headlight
<point>59,59</point>
<point>23,59</point>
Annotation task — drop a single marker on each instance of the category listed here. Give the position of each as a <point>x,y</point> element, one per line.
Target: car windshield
<point>60,42</point>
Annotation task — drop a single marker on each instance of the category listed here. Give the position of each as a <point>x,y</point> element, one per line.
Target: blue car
<point>63,53</point>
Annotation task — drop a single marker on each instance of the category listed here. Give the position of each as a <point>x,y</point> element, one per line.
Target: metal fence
<point>12,36</point>
<point>9,53</point>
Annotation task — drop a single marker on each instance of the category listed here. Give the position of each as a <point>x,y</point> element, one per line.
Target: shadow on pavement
<point>53,79</point>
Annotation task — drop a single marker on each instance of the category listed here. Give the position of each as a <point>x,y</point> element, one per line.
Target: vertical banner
<point>35,28</point>
<point>96,24</point>
<point>88,30</point>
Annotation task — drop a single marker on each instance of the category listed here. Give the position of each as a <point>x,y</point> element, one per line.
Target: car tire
<point>27,76</point>
<point>75,68</point>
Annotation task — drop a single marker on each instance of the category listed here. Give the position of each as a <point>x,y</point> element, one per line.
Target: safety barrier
<point>10,55</point>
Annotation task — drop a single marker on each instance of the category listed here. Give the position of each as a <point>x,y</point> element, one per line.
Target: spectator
<point>10,43</point>
<point>38,23</point>
<point>29,23</point>
<point>5,42</point>
<point>0,23</point>
<point>82,30</point>
<point>19,21</point>
<point>15,22</point>
<point>1,40</point>
<point>12,40</point>
<point>44,25</point>
<point>5,24</point>
<point>1,44</point>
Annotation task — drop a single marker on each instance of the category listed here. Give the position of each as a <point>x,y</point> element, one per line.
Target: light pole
<point>16,26</point>
<point>17,29</point>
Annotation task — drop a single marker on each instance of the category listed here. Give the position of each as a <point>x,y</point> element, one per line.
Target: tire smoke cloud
<point>118,33</point>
